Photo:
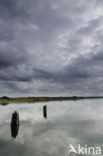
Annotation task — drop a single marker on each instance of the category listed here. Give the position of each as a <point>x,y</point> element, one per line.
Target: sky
<point>51,47</point>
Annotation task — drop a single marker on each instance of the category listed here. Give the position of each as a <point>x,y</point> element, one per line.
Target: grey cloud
<point>52,45</point>
<point>12,9</point>
<point>91,26</point>
<point>8,57</point>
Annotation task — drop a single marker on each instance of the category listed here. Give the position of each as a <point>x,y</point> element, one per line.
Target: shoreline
<point>44,99</point>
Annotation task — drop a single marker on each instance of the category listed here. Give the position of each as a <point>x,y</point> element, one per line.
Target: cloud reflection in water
<point>75,122</point>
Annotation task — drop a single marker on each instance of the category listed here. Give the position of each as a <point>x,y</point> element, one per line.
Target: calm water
<point>70,122</point>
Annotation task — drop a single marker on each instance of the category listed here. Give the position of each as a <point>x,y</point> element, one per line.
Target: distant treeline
<point>6,99</point>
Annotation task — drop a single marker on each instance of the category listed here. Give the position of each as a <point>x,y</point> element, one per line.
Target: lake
<point>66,123</point>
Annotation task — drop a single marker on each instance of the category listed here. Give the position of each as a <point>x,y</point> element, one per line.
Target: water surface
<point>69,122</point>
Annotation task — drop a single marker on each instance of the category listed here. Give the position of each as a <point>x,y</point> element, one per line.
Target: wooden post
<point>14,124</point>
<point>45,111</point>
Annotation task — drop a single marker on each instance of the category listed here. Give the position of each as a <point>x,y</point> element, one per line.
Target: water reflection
<point>4,103</point>
<point>71,122</point>
<point>45,111</point>
<point>14,130</point>
<point>14,124</point>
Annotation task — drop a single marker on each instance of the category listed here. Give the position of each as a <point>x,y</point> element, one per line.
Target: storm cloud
<point>51,47</point>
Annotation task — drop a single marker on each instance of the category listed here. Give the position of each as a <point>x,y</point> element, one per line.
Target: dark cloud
<point>12,9</point>
<point>51,47</point>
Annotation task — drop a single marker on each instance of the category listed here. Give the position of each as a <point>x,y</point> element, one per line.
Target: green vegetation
<point>4,100</point>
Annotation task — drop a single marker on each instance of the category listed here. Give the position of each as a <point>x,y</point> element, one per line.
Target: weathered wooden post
<point>14,124</point>
<point>45,111</point>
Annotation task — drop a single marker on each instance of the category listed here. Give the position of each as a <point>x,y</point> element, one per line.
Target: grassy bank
<point>41,99</point>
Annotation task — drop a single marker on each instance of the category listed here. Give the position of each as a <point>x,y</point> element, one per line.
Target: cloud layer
<point>51,47</point>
